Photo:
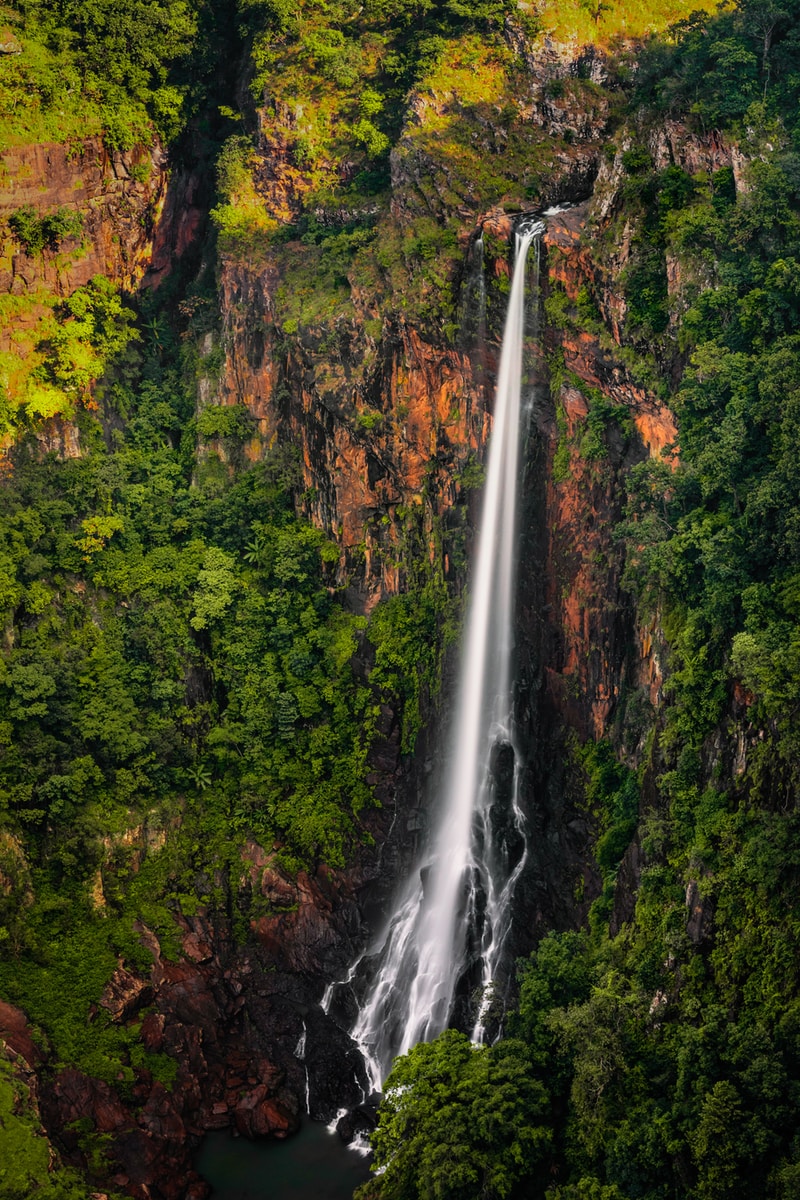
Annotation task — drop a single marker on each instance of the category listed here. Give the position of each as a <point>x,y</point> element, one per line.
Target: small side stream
<point>313,1165</point>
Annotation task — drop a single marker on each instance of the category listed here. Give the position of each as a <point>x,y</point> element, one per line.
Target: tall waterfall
<point>453,917</point>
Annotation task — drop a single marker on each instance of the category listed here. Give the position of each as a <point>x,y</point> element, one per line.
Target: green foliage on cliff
<point>26,1169</point>
<point>335,89</point>
<point>435,82</point>
<point>178,675</point>
<point>35,233</point>
<point>118,67</point>
<point>458,1121</point>
<point>161,626</point>
<point>76,342</point>
<point>717,535</point>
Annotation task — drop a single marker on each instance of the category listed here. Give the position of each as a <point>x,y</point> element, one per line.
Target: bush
<point>37,233</point>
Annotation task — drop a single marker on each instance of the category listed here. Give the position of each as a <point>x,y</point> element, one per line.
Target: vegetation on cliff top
<point>439,86</point>
<point>87,66</point>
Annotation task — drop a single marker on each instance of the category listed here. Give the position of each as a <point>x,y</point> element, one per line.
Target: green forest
<point>179,653</point>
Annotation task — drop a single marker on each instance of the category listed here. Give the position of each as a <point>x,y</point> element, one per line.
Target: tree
<point>763,16</point>
<point>595,8</point>
<point>459,1122</point>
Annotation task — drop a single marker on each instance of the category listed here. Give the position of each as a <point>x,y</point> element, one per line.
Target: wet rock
<point>502,765</point>
<point>73,1097</point>
<point>160,1117</point>
<point>357,1123</point>
<point>124,995</point>
<point>15,1032</point>
<point>336,1074</point>
<point>259,1113</point>
<point>152,1031</point>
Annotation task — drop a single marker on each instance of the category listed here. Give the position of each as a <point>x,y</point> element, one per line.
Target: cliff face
<point>391,411</point>
<point>382,427</point>
<point>597,645</point>
<point>388,402</point>
<point>68,212</point>
<point>386,414</point>
<point>117,195</point>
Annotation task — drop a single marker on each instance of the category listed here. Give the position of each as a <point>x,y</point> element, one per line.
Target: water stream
<point>300,1053</point>
<point>452,919</point>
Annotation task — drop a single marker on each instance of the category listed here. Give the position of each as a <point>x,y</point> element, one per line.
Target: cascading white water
<point>300,1053</point>
<point>454,915</point>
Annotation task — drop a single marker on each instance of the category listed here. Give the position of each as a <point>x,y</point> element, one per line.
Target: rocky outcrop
<point>116,195</point>
<point>230,1019</point>
<point>68,212</point>
<point>16,1033</point>
<point>589,619</point>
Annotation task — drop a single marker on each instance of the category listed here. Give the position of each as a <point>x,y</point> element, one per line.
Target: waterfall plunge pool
<point>314,1164</point>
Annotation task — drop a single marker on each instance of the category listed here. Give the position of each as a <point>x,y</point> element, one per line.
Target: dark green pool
<point>312,1165</point>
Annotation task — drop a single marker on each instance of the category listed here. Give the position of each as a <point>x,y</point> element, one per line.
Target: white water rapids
<point>453,917</point>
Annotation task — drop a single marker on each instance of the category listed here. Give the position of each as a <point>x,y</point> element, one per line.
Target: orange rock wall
<point>118,195</point>
<point>374,441</point>
<point>595,645</point>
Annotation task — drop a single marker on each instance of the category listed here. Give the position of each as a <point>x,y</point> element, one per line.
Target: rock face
<point>102,209</point>
<point>375,441</point>
<point>388,417</point>
<point>16,1034</point>
<point>232,1019</point>
<point>121,215</point>
<point>386,414</point>
<point>118,197</point>
<point>589,621</point>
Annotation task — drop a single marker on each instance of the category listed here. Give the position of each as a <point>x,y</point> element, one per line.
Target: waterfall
<point>472,305</point>
<point>300,1053</point>
<point>453,917</point>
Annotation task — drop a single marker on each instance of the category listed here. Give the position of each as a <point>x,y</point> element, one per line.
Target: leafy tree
<point>458,1122</point>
